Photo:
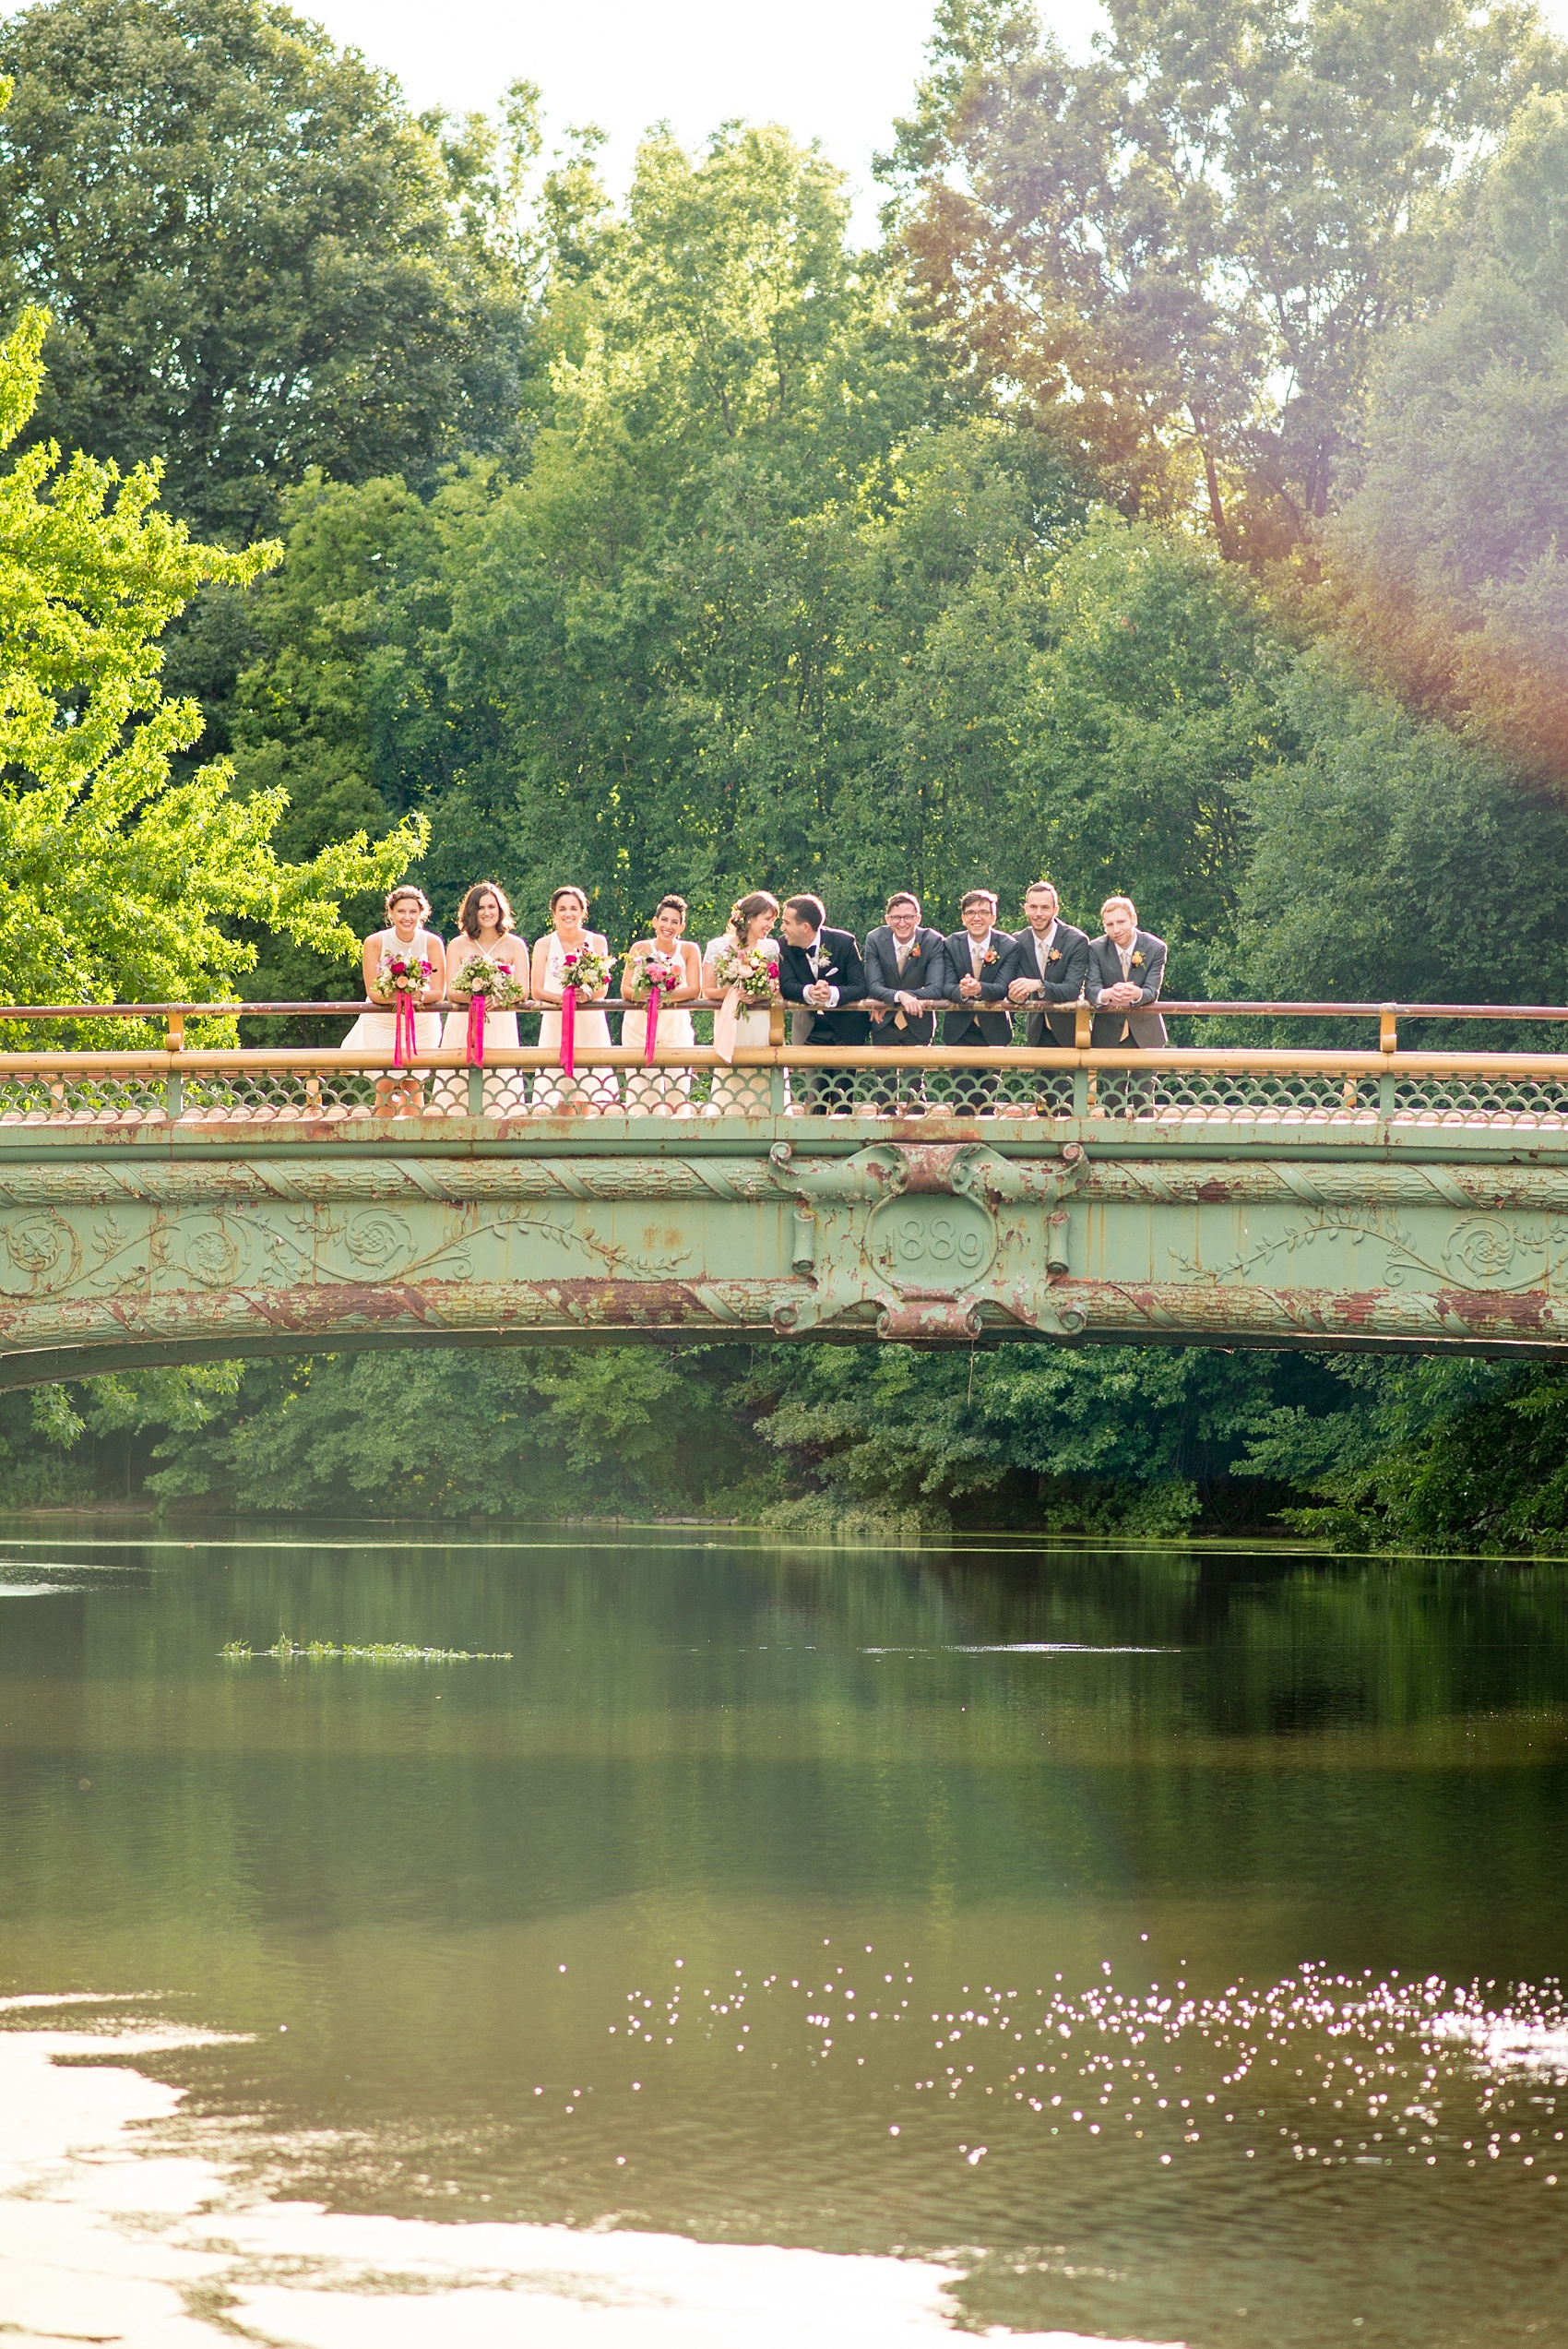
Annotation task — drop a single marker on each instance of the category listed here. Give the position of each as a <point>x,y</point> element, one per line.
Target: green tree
<point>1155,710</point>
<point>125,881</point>
<point>1140,1439</point>
<point>1428,1455</point>
<point>1449,558</point>
<point>453,1433</point>
<point>1179,255</point>
<point>1391,859</point>
<point>254,258</point>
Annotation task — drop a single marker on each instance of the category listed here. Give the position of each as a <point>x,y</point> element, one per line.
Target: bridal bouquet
<point>748,970</point>
<point>402,974</point>
<point>498,983</point>
<point>587,971</point>
<point>651,971</point>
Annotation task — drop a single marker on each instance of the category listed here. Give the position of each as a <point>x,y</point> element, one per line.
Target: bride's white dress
<point>743,1091</point>
<point>599,1086</point>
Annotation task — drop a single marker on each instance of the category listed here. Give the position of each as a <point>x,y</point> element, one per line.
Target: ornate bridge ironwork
<point>178,1206</point>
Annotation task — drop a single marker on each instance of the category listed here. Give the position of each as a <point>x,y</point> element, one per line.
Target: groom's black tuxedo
<point>1061,976</point>
<point>837,961</point>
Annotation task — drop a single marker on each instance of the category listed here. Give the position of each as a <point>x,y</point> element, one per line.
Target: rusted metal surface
<point>129,1239</point>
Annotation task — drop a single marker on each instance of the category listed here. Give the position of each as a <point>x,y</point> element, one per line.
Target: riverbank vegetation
<point>1171,500</point>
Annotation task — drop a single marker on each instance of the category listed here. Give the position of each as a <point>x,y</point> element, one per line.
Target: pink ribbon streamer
<point>476,1031</point>
<point>569,1029</point>
<point>405,1036</point>
<point>653,995</point>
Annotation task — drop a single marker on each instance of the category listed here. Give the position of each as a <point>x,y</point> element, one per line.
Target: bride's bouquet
<point>587,970</point>
<point>754,974</point>
<point>644,973</point>
<point>497,982</point>
<point>402,974</point>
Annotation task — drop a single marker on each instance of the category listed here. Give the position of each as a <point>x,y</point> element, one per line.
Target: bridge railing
<point>172,1018</point>
<point>1271,1087</point>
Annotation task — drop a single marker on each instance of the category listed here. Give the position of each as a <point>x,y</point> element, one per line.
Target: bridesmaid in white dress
<point>407,910</point>
<point>662,1090</point>
<point>594,1089</point>
<point>750,922</point>
<point>486,926</point>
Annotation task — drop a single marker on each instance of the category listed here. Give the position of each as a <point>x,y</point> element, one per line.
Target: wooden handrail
<point>1263,1060</point>
<point>350,1008</point>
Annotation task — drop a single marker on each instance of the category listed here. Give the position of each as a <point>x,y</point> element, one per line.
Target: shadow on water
<point>814,1895</point>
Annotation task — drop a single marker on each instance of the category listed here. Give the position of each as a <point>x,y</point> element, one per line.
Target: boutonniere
<point>914,954</point>
<point>1055,955</point>
<point>988,958</point>
<point>1137,961</point>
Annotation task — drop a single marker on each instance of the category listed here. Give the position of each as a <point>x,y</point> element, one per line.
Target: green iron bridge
<point>184,1203</point>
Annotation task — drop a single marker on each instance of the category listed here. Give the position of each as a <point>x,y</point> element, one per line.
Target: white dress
<point>507,1089</point>
<point>745,1091</point>
<point>377,1030</point>
<point>594,1085</point>
<point>649,1089</point>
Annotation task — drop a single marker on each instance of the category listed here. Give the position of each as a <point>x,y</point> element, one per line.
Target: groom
<point>821,969</point>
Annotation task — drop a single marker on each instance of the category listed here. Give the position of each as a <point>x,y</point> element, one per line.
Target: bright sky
<point>838,70</point>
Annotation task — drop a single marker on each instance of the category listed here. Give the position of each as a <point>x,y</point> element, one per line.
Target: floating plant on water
<point>380,1651</point>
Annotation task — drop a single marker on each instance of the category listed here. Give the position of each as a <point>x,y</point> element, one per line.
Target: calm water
<point>1173,1935</point>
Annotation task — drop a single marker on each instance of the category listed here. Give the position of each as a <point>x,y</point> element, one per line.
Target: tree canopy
<point>1179,257</point>
<point>254,258</point>
<point>124,881</point>
<point>1449,556</point>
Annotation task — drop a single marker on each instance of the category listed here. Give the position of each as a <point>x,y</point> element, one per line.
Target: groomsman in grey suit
<point>899,956</point>
<point>1051,961</point>
<point>1127,972</point>
<point>978,965</point>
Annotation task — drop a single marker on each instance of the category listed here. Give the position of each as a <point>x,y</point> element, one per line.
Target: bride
<point>595,1089</point>
<point>484,927</point>
<point>737,1092</point>
<point>407,910</point>
<point>661,1088</point>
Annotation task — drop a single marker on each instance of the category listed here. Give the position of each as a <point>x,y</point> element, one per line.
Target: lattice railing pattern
<point>1172,1089</point>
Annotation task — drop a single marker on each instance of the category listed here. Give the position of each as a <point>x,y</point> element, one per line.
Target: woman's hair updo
<point>407,889</point>
<point>468,912</point>
<point>745,910</point>
<point>568,888</point>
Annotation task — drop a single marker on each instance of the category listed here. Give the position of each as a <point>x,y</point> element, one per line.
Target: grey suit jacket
<point>1061,978</point>
<point>883,983</point>
<point>987,1017</point>
<point>1147,1028</point>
